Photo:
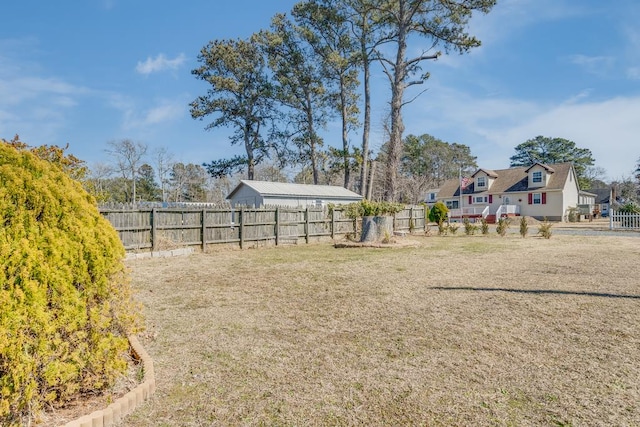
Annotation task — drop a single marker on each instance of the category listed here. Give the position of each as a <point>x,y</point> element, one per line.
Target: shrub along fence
<point>156,228</point>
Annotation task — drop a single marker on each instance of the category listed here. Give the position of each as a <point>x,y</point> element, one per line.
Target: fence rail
<point>162,228</point>
<point>624,221</point>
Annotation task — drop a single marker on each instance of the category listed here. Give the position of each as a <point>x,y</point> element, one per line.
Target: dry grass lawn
<point>457,330</point>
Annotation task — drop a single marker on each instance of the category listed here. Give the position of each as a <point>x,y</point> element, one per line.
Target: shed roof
<point>285,189</point>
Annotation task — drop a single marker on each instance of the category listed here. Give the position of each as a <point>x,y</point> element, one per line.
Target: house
<point>603,200</point>
<point>540,191</point>
<point>263,193</point>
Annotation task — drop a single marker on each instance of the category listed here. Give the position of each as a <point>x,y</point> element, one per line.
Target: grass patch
<point>460,330</point>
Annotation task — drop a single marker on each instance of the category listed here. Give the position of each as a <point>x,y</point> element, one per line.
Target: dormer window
<point>536,177</point>
<point>482,181</point>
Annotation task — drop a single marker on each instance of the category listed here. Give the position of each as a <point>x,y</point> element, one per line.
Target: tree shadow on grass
<point>534,291</point>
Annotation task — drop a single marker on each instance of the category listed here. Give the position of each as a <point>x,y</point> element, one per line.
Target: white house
<point>539,191</point>
<point>263,193</point>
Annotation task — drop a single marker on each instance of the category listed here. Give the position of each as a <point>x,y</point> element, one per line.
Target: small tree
<point>438,213</point>
<point>545,229</point>
<point>484,226</point>
<point>524,226</point>
<point>503,226</point>
<point>469,227</point>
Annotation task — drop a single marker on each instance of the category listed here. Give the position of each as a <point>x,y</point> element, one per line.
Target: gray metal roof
<point>267,188</point>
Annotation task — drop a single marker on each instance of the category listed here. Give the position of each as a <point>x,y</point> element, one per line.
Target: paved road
<point>593,232</point>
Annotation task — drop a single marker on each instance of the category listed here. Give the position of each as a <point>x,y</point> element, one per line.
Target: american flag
<point>464,182</point>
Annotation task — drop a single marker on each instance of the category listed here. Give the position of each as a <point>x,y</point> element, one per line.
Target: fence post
<point>333,223</point>
<point>277,226</point>
<point>204,230</point>
<point>306,225</point>
<point>611,213</point>
<point>154,230</point>
<point>241,229</point>
<point>411,221</point>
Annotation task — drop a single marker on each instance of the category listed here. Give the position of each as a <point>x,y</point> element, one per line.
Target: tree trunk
<point>397,94</point>
<point>249,149</point>
<point>366,126</point>
<point>376,228</point>
<point>345,136</point>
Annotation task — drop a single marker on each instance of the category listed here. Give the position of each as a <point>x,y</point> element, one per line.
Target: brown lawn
<point>457,330</point>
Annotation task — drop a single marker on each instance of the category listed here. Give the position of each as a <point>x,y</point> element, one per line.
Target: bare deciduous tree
<point>128,157</point>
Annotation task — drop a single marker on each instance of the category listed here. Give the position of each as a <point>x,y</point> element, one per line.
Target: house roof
<point>602,194</point>
<point>489,172</point>
<point>509,180</point>
<point>547,167</point>
<point>285,189</point>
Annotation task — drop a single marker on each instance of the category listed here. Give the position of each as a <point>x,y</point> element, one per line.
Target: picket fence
<point>624,221</point>
<point>156,228</point>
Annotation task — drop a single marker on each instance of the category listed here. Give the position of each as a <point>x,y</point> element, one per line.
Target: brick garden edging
<point>126,404</point>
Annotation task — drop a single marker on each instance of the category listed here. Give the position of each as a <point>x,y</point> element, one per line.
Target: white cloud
<point>493,127</point>
<point>17,90</point>
<point>36,107</point>
<point>512,16</point>
<point>163,113</point>
<point>608,128</point>
<point>598,65</point>
<point>160,63</point>
<point>633,73</point>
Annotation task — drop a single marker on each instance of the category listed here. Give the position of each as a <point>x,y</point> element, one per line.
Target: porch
<point>480,212</point>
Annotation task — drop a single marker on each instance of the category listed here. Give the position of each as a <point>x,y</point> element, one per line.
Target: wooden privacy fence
<point>624,221</point>
<point>162,228</point>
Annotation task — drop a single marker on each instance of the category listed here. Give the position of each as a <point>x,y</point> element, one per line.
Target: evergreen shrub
<point>438,213</point>
<point>65,302</point>
<point>503,226</point>
<point>370,208</point>
<point>484,226</point>
<point>470,228</point>
<point>524,226</point>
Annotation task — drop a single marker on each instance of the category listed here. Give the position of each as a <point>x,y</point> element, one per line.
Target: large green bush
<point>370,208</point>
<point>65,303</point>
<point>438,213</point>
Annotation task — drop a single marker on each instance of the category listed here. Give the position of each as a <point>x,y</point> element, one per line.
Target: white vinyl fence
<point>624,221</point>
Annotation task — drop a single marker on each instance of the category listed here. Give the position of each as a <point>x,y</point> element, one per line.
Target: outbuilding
<point>264,193</point>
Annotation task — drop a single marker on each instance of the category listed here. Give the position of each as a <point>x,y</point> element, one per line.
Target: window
<point>537,198</point>
<point>482,181</point>
<point>537,176</point>
<point>480,199</point>
<point>452,204</point>
<point>431,197</point>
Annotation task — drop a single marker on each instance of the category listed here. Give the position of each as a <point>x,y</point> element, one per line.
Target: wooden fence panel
<point>319,223</point>
<point>342,224</point>
<point>134,227</point>
<point>288,225</point>
<point>163,228</point>
<point>220,227</point>
<point>259,224</point>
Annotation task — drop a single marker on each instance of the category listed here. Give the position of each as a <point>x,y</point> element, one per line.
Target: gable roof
<point>548,168</point>
<point>510,180</point>
<point>489,172</point>
<point>602,195</point>
<point>286,189</point>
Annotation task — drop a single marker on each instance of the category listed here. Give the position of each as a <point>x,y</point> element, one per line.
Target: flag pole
<point>460,195</point>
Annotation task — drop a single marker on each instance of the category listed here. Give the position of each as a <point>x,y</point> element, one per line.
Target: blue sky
<point>85,72</point>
